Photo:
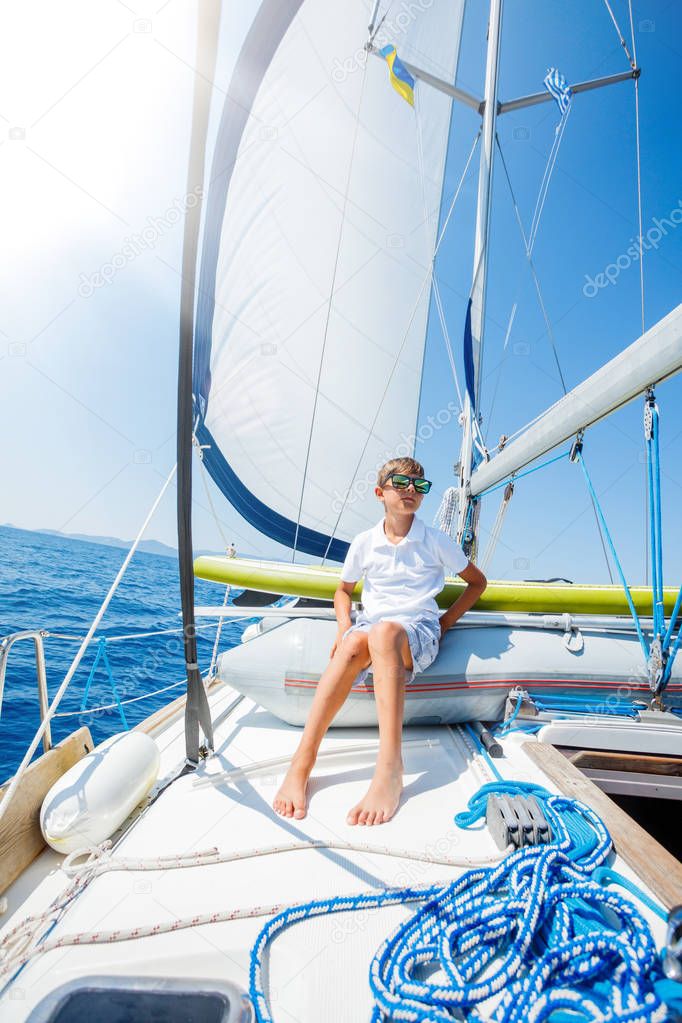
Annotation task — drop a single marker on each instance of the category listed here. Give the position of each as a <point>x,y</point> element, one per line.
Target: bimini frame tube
<point>653,357</point>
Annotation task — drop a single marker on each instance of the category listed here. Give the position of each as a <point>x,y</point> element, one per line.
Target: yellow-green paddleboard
<point>321,581</point>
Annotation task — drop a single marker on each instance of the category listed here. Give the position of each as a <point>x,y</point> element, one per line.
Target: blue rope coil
<point>537,937</point>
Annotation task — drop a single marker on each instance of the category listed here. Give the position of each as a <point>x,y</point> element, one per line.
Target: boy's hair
<point>406,465</point>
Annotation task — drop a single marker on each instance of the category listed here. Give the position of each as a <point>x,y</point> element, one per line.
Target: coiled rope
<point>524,940</point>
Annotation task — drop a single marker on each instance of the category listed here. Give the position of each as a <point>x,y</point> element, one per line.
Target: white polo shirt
<point>403,578</point>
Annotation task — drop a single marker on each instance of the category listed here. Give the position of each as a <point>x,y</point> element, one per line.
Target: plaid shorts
<point>423,636</point>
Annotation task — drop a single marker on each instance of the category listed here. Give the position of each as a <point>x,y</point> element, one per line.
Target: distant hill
<point>148,546</point>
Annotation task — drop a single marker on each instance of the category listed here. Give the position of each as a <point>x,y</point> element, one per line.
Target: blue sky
<point>589,219</point>
<point>94,145</point>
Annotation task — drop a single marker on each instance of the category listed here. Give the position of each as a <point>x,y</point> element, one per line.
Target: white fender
<point>89,802</point>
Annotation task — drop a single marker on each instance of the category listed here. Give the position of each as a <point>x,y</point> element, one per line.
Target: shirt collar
<point>416,533</point>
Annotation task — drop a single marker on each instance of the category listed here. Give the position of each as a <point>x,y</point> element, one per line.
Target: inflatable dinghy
<point>470,679</point>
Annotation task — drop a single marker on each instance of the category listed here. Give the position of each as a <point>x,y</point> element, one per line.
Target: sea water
<point>58,584</point>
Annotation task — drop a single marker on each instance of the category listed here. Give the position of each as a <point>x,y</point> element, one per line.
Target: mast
<point>197,710</point>
<point>478,289</point>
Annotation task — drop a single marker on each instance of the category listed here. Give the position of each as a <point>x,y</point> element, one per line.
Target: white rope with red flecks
<point>29,937</point>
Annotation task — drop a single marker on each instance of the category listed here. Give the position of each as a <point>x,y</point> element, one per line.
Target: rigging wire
<point>620,34</point>
<point>81,651</point>
<point>639,168</point>
<point>603,544</point>
<point>446,338</point>
<point>529,242</point>
<point>628,596</point>
<point>633,63</point>
<point>547,177</point>
<point>528,246</point>
<point>548,325</point>
<point>497,527</point>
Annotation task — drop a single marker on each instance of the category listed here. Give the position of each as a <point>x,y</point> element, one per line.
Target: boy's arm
<point>477,583</point>
<point>343,604</point>
<point>342,607</point>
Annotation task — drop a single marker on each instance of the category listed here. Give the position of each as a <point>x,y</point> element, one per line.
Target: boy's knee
<point>385,634</point>
<point>354,645</point>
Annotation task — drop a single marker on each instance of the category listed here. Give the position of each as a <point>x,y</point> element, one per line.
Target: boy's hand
<point>476,584</point>
<point>337,641</point>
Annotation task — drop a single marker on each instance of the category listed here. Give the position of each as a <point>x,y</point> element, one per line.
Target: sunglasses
<point>402,482</point>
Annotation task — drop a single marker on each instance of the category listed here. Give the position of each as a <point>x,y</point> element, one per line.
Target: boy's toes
<point>353,815</point>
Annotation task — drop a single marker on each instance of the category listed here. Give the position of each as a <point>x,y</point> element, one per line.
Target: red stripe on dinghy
<point>529,683</point>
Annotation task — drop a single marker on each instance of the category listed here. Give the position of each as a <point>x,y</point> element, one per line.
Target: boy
<point>398,633</point>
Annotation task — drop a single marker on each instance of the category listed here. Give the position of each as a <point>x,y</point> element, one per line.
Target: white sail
<point>314,288</point>
<point>648,360</point>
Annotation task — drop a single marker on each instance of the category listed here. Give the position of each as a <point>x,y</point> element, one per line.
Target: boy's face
<point>399,501</point>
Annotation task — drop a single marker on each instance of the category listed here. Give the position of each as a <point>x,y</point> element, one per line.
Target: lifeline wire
<point>81,650</point>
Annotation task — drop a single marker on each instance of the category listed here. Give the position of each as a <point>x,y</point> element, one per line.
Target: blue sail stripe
<point>468,351</point>
<point>263,518</point>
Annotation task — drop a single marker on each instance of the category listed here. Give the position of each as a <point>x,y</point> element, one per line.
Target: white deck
<point>318,969</point>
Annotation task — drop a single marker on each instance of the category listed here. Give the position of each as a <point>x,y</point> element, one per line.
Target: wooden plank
<point>653,864</point>
<point>609,760</point>
<point>21,839</point>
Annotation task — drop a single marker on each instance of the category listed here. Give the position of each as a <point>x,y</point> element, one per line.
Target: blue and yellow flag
<point>401,79</point>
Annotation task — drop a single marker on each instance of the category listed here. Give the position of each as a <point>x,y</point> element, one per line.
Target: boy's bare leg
<point>390,654</point>
<point>350,657</point>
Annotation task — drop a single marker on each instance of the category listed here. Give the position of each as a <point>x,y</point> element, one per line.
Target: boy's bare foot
<point>382,798</point>
<point>290,800</point>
